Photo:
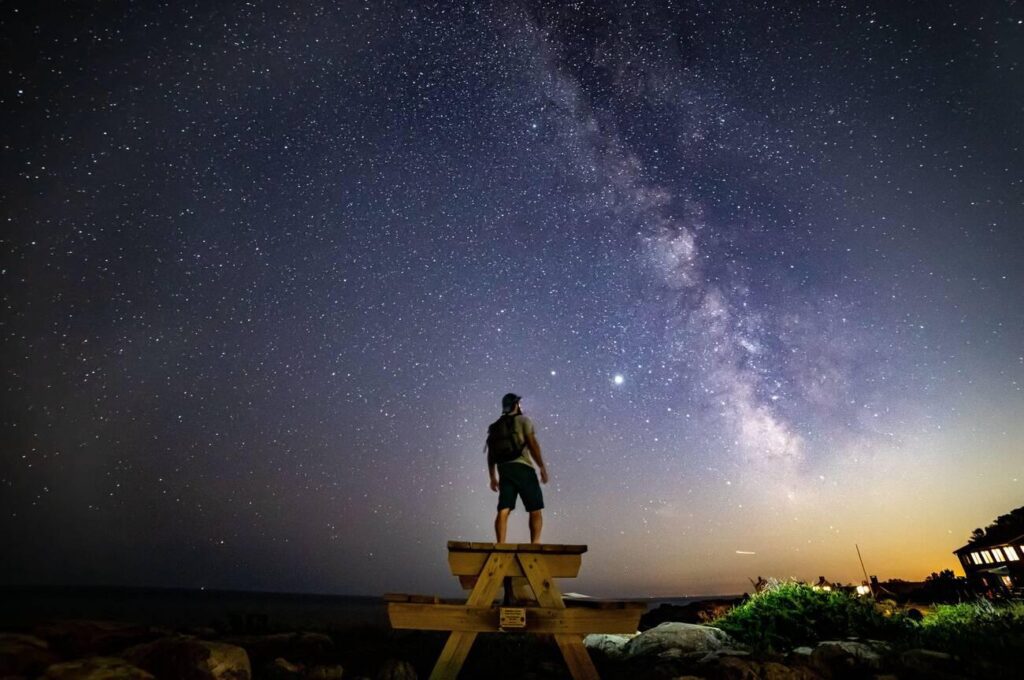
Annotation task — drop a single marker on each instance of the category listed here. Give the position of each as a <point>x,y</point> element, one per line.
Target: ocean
<point>24,606</point>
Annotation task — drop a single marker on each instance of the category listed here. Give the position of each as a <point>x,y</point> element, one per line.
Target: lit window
<point>1007,581</point>
<point>976,558</point>
<point>998,555</point>
<point>987,556</point>
<point>1011,553</point>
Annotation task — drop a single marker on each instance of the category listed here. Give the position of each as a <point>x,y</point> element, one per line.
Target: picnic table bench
<point>540,608</point>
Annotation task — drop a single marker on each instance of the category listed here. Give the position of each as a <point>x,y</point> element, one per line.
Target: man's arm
<point>492,470</point>
<point>531,442</point>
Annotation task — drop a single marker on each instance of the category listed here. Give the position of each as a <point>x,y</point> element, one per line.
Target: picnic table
<point>540,608</point>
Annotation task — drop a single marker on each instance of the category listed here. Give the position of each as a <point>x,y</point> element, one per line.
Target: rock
<point>282,669</point>
<point>393,669</point>
<point>334,672</point>
<point>185,658</point>
<point>96,668</point>
<point>845,658</point>
<point>83,637</point>
<point>927,663</point>
<point>801,653</point>
<point>734,668</point>
<point>687,637</point>
<point>744,667</point>
<point>306,647</point>
<point>24,655</point>
<point>612,646</point>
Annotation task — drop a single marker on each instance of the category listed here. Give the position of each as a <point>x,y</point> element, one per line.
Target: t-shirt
<point>524,427</point>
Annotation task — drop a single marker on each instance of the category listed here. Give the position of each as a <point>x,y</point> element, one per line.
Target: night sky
<point>268,269</point>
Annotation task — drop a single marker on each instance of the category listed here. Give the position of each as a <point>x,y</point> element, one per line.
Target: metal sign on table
<point>511,618</point>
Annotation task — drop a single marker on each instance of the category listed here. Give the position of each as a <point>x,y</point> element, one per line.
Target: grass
<point>975,630</point>
<point>787,615</point>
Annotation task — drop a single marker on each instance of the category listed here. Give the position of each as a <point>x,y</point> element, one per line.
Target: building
<point>994,565</point>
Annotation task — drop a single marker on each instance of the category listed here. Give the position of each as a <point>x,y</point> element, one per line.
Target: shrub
<point>787,615</point>
<point>976,630</point>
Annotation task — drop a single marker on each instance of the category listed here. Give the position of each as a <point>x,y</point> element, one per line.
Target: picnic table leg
<point>459,642</point>
<point>581,666</point>
<point>453,655</point>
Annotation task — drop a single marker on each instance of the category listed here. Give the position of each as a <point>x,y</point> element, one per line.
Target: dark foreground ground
<point>309,631</point>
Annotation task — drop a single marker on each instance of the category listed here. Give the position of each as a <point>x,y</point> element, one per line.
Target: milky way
<point>268,270</point>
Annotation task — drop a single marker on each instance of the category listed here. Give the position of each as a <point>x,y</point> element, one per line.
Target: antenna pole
<point>866,579</point>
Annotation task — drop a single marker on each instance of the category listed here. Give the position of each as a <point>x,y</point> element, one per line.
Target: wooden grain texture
<point>470,564</point>
<point>409,615</point>
<point>534,566</point>
<point>459,642</point>
<point>554,548</point>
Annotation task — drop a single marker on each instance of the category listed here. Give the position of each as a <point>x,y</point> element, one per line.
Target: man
<point>512,472</point>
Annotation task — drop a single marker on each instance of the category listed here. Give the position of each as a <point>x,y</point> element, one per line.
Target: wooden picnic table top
<point>547,548</point>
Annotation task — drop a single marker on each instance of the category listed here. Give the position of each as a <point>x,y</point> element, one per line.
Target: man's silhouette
<point>511,469</point>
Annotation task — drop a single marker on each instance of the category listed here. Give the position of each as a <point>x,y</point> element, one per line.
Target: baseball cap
<point>509,401</point>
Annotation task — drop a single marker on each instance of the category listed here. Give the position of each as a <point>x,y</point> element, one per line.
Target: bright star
<point>618,379</point>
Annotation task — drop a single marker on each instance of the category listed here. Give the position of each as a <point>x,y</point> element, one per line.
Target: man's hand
<point>543,475</point>
<point>494,484</point>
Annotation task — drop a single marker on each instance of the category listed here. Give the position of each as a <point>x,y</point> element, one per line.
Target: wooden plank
<point>470,564</point>
<point>409,615</point>
<point>459,642</point>
<point>581,666</point>
<point>453,656</point>
<point>556,548</point>
<point>534,566</point>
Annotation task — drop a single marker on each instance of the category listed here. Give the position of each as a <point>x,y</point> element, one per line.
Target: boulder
<point>24,655</point>
<point>325,672</point>
<point>305,647</point>
<point>845,658</point>
<point>735,665</point>
<point>185,658</point>
<point>772,670</point>
<point>96,668</point>
<point>686,637</point>
<point>612,646</point>
<point>735,668</point>
<point>393,669</point>
<point>75,638</point>
<point>926,663</point>
<point>282,669</point>
<point>708,659</point>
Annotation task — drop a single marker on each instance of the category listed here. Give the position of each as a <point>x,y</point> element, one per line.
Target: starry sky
<point>756,268</point>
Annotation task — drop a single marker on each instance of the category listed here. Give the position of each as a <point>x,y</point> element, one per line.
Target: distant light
<point>863,590</point>
<point>745,552</point>
<point>618,379</point>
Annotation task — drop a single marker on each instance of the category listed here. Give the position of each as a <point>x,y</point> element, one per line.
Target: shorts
<point>519,479</point>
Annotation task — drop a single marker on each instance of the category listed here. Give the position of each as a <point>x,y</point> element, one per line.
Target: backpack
<point>501,440</point>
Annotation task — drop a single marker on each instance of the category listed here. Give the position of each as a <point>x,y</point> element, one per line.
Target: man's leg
<point>501,524</point>
<point>536,524</point>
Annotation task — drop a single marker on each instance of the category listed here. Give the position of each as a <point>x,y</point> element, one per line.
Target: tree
<point>1005,528</point>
